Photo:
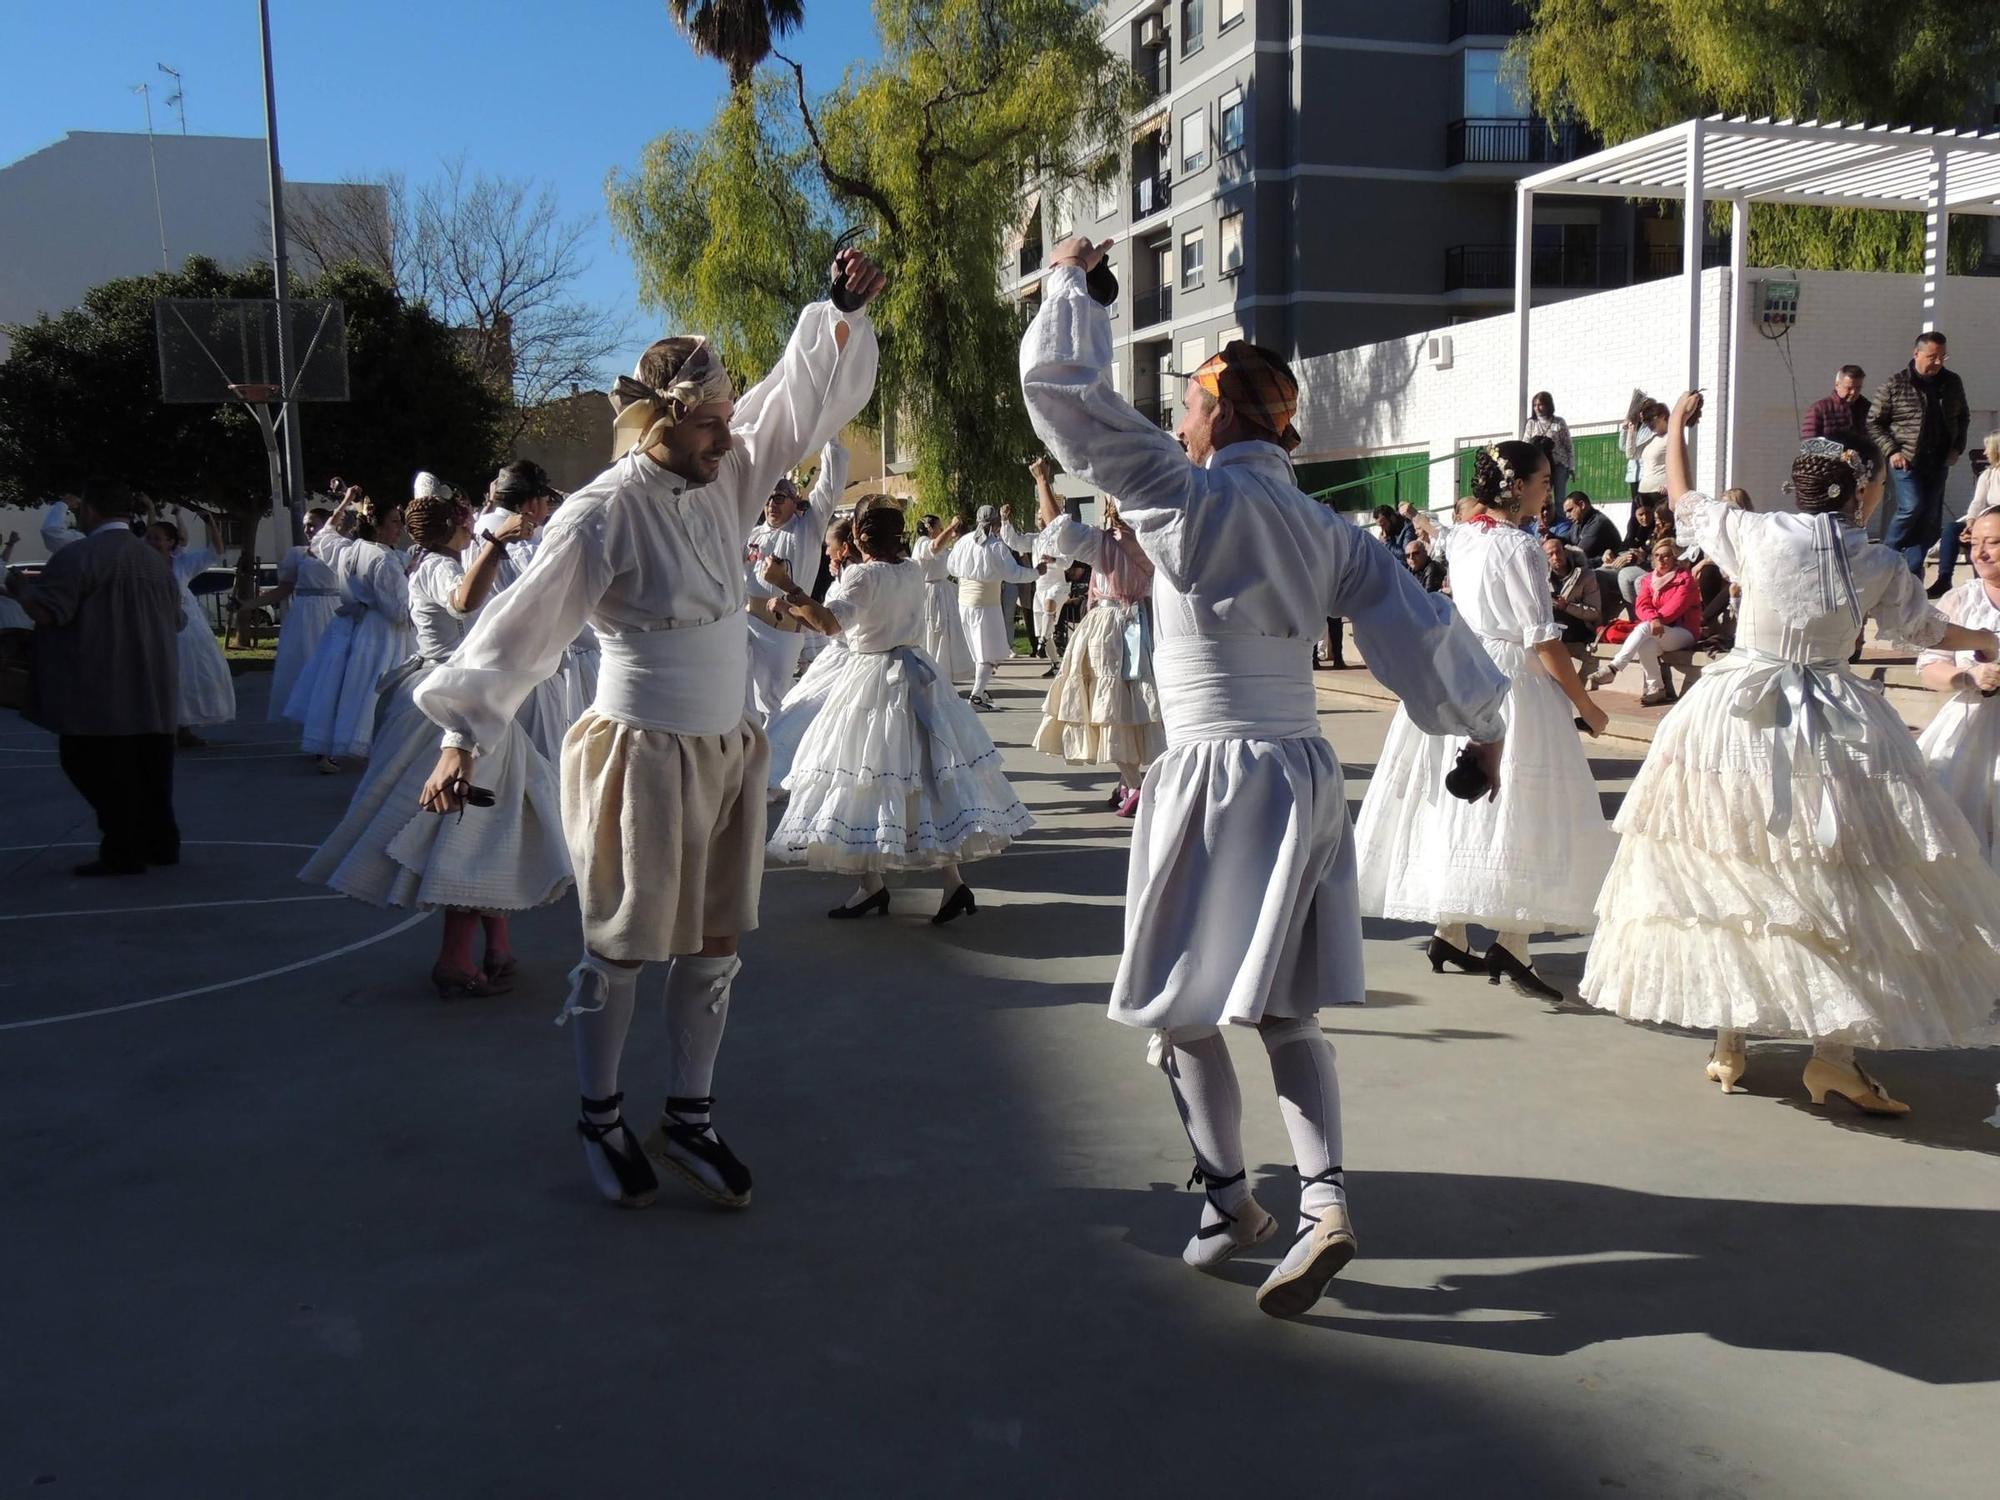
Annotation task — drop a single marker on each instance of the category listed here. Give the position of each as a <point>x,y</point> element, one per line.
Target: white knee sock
<point>697,1010</point>
<point>870,884</point>
<point>1454,933</point>
<point>601,998</point>
<point>1515,943</point>
<point>982,678</point>
<point>1211,1105</point>
<point>1308,1084</point>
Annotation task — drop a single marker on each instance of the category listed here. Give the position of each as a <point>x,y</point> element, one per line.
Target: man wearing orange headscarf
<point>1253,919</point>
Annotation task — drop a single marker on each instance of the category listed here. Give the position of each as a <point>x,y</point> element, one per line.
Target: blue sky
<point>525,88</point>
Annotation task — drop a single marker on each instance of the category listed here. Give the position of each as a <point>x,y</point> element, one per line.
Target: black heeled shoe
<point>961,904</point>
<point>876,905</point>
<point>1441,953</point>
<point>1499,961</point>
<point>1117,796</point>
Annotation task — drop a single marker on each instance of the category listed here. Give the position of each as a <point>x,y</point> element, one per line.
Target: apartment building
<point>1319,174</point>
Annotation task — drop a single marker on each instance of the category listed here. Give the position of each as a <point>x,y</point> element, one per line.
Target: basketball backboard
<point>213,349</point>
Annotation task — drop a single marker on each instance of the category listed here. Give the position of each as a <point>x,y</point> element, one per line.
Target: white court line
<point>227,984</point>
<point>185,844</point>
<point>213,744</point>
<point>206,760</point>
<point>133,911</point>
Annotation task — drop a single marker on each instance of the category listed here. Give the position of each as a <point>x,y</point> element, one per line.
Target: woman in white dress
<point>502,855</point>
<point>808,695</point>
<point>340,707</point>
<point>310,595</point>
<point>1789,867</point>
<point>1962,743</point>
<point>944,633</point>
<point>522,488</point>
<point>330,655</point>
<point>1104,706</point>
<point>896,772</point>
<point>1531,858</point>
<point>207,691</point>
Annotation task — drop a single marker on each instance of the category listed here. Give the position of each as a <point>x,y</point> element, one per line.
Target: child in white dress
<point>896,772</point>
<point>1962,743</point>
<point>1788,866</point>
<point>207,692</point>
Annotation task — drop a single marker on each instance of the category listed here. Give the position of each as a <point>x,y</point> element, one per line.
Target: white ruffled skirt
<point>1530,860</point>
<point>944,632</point>
<point>1885,934</point>
<point>802,704</point>
<point>388,851</point>
<point>308,618</point>
<point>328,661</point>
<point>1962,748</point>
<point>873,788</point>
<point>207,691</point>
<point>579,680</point>
<point>340,712</point>
<point>1093,714</point>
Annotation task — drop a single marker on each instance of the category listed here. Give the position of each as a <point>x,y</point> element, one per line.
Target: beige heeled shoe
<point>1853,1085</point>
<point>1726,1063</point>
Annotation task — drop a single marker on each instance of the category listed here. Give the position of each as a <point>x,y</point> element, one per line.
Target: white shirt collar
<point>119,523</point>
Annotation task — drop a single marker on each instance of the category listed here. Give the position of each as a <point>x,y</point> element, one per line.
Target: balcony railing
<point>1155,306</point>
<point>1509,141</point>
<point>1149,195</point>
<point>1030,260</point>
<point>1486,18</point>
<point>1657,261</point>
<point>1491,267</point>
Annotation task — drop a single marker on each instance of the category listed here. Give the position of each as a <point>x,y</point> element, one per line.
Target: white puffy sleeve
<point>1952,607</point>
<point>1900,608</point>
<point>962,555</point>
<point>288,566</point>
<point>834,462</point>
<point>1017,539</point>
<point>1070,538</point>
<point>1415,642</point>
<point>814,390</point>
<point>1718,529</point>
<point>1094,432</point>
<point>851,594</point>
<point>520,636</point>
<point>191,561</point>
<point>1525,579</point>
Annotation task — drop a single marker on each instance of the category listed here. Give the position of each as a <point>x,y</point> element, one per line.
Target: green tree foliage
<point>80,395</point>
<point>928,150</point>
<point>736,33</point>
<point>1627,67</point>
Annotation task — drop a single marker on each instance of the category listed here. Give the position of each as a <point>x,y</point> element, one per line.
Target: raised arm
<point>834,462</point>
<point>1095,433</point>
<point>57,533</point>
<point>818,386</point>
<point>476,584</point>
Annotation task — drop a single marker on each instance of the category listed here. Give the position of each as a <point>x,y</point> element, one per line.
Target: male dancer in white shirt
<point>982,562</point>
<point>663,778</point>
<point>794,531</point>
<point>1253,919</point>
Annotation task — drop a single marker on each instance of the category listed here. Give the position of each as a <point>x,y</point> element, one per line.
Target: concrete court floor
<point>322,1235</point>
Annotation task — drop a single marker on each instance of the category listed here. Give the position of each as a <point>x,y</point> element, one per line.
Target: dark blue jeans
<point>1918,519</point>
<point>1954,533</point>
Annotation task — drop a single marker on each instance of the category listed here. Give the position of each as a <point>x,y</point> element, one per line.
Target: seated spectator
<point>1630,560</point>
<point>1427,569</point>
<point>1579,606</point>
<point>1591,531</point>
<point>1668,608</point>
<point>1392,529</point>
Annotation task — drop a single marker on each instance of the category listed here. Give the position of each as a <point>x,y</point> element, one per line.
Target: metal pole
<point>1694,222</point>
<point>1736,328</point>
<point>279,272</point>
<point>1524,296</point>
<point>153,157</point>
<point>1937,240</point>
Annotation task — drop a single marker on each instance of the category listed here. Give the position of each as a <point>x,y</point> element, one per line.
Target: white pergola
<point>1740,161</point>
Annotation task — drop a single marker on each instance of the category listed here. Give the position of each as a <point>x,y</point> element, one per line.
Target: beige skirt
<point>666,834</point>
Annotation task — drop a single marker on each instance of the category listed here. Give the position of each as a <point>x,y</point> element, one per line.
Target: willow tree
<point>1627,67</point>
<point>928,153</point>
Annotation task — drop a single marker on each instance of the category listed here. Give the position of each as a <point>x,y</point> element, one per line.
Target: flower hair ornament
<point>1506,471</point>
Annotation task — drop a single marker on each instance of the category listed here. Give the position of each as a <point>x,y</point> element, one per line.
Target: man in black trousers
<point>106,678</point>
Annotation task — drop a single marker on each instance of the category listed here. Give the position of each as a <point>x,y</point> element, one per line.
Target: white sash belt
<point>977,595</point>
<point>686,680</point>
<point>1247,687</point>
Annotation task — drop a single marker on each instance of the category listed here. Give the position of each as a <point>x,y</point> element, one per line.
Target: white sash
<point>686,680</point>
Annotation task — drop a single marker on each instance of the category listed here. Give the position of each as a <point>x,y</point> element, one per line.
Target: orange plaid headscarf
<point>1256,382</point>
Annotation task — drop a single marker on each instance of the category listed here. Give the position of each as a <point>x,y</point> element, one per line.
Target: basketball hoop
<point>255,395</point>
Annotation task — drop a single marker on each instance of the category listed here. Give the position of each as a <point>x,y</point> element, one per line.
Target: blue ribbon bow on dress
<point>1796,704</point>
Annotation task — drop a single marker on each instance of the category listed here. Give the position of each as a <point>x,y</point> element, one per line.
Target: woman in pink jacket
<point>1669,614</point>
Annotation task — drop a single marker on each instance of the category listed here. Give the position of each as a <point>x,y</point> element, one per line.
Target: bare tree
<point>490,256</point>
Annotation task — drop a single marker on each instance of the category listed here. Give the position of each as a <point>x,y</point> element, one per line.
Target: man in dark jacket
<point>1842,414</point>
<point>1591,531</point>
<point>107,615</point>
<point>1919,422</point>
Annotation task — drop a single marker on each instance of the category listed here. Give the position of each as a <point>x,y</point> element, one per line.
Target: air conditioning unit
<point>1153,31</point>
<point>1437,350</point>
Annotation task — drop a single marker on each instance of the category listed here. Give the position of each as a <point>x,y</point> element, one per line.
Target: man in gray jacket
<point>1919,422</point>
<point>106,678</point>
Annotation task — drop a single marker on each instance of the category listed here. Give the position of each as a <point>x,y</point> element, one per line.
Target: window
<point>1190,27</point>
<point>1191,260</point>
<point>1194,353</point>
<point>1229,123</point>
<point>1117,378</point>
<point>1227,14</point>
<point>1230,245</point>
<point>1107,193</point>
<point>1490,91</point>
<point>1064,217</point>
<point>1227,337</point>
<point>1194,141</point>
